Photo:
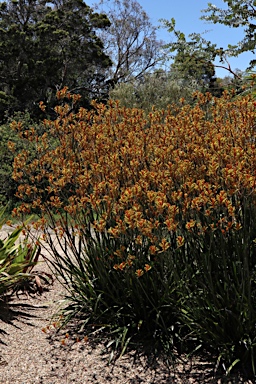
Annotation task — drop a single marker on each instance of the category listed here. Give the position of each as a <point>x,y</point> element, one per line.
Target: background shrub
<point>17,142</point>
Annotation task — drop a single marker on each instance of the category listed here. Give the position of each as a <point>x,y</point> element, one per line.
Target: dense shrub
<point>11,139</point>
<point>159,89</point>
<point>155,218</point>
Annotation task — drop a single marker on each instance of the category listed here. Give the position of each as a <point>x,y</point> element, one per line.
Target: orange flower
<point>139,272</point>
<point>237,226</point>
<point>180,241</point>
<point>164,245</point>
<point>138,240</point>
<point>190,224</point>
<point>120,266</point>
<point>114,232</point>
<point>100,225</point>
<point>153,249</point>
<point>130,260</point>
<point>42,106</point>
<point>147,267</point>
<point>171,225</point>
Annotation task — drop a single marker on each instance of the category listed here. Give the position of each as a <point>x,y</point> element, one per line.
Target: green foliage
<point>239,13</point>
<point>11,143</point>
<point>198,70</point>
<point>217,279</point>
<point>158,89</point>
<point>250,83</point>
<point>16,260</point>
<point>8,186</point>
<point>193,59</point>
<point>196,58</point>
<point>45,46</point>
<point>129,308</point>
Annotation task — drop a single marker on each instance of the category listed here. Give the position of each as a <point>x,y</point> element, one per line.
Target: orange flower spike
<point>171,225</point>
<point>119,252</point>
<point>138,240</point>
<point>229,225</point>
<point>100,225</point>
<point>164,245</point>
<point>114,232</point>
<point>129,216</point>
<point>190,224</point>
<point>238,226</point>
<point>42,106</point>
<point>139,272</point>
<point>130,260</point>
<point>222,197</point>
<point>153,249</point>
<point>122,265</point>
<point>180,241</point>
<point>147,267</point>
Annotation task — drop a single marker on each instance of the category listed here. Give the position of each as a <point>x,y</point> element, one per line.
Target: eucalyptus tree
<point>131,41</point>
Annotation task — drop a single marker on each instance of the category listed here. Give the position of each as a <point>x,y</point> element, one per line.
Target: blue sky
<point>187,14</point>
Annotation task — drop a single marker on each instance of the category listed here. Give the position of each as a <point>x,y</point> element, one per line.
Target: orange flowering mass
<point>148,181</point>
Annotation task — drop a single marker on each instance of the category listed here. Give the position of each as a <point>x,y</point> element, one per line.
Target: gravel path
<point>33,354</point>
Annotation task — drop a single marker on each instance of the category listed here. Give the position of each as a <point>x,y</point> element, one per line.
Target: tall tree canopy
<point>45,45</point>
<point>131,40</point>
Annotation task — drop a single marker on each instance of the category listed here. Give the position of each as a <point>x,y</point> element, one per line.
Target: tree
<point>193,58</point>
<point>195,68</point>
<point>130,42</point>
<point>233,83</point>
<point>240,13</point>
<point>45,46</point>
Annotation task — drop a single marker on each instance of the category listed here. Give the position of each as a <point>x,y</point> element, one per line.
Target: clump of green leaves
<point>16,260</point>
